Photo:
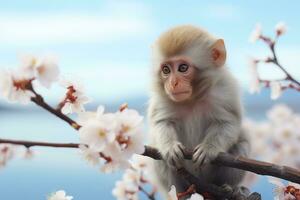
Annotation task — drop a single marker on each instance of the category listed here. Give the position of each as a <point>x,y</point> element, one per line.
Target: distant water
<point>54,169</point>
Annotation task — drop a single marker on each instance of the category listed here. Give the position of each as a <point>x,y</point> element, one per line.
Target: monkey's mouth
<point>180,93</point>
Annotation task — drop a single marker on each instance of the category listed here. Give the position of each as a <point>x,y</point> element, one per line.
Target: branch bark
<point>39,100</point>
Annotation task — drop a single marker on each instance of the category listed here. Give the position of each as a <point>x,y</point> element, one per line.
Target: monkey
<point>195,103</point>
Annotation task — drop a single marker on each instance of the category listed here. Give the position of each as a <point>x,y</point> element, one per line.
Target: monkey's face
<point>177,74</point>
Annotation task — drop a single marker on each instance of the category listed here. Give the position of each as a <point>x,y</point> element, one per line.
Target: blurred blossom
<point>128,187</point>
<point>172,193</point>
<point>29,154</point>
<point>280,113</point>
<point>278,188</point>
<point>282,192</point>
<point>124,191</point>
<point>254,84</point>
<point>276,140</point>
<point>256,33</point>
<point>196,196</point>
<point>276,90</point>
<point>44,69</point>
<point>7,152</point>
<point>133,179</point>
<point>280,28</point>
<point>60,195</point>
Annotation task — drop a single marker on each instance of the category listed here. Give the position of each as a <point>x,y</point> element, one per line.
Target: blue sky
<point>107,43</point>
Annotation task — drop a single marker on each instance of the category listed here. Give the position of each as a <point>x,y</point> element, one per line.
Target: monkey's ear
<point>218,53</point>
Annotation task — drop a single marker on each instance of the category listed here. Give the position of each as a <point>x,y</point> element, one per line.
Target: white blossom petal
<point>280,28</point>
<point>276,90</point>
<point>256,33</point>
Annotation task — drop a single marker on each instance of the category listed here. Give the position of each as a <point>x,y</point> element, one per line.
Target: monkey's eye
<point>165,69</point>
<point>183,68</point>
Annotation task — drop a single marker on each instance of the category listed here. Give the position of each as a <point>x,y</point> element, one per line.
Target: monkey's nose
<point>174,84</point>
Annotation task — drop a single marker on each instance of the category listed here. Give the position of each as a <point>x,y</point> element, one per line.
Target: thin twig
<point>39,100</point>
<point>293,83</point>
<point>149,195</point>
<point>29,144</point>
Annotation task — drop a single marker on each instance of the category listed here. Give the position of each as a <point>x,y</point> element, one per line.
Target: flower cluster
<point>110,139</point>
<point>15,85</point>
<point>277,139</point>
<point>289,192</point>
<point>60,195</point>
<point>133,180</point>
<point>278,85</point>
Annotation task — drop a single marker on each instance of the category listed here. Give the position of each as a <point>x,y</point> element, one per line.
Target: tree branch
<point>294,84</point>
<point>223,159</point>
<point>39,100</point>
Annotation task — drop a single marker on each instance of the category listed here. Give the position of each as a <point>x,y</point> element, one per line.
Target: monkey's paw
<point>175,156</point>
<point>204,154</point>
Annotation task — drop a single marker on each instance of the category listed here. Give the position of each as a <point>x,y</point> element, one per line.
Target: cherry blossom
<point>97,134</point>
<point>29,154</point>
<point>280,113</point>
<point>282,192</point>
<point>115,136</point>
<point>196,196</point>
<point>74,99</point>
<point>278,188</point>
<point>85,117</point>
<point>6,153</point>
<point>123,191</point>
<point>129,186</point>
<point>13,86</point>
<point>280,28</point>
<point>254,84</point>
<point>60,195</point>
<point>44,69</point>
<point>276,140</point>
<point>172,195</point>
<point>89,154</point>
<point>134,178</point>
<point>129,132</point>
<point>113,158</point>
<point>256,33</point>
<point>276,90</point>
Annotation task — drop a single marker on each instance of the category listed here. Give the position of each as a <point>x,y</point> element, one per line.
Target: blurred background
<point>106,44</point>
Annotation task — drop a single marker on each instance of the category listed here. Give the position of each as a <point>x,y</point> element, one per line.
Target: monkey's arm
<point>164,137</point>
<point>222,133</point>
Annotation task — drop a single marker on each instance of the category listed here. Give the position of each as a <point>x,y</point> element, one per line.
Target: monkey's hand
<point>204,153</point>
<point>175,156</point>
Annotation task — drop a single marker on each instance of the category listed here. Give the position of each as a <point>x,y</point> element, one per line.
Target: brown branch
<point>29,144</point>
<point>223,159</point>
<point>39,100</point>
<point>246,164</point>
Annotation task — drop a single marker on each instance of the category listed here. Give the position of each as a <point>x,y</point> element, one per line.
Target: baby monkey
<point>195,103</point>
